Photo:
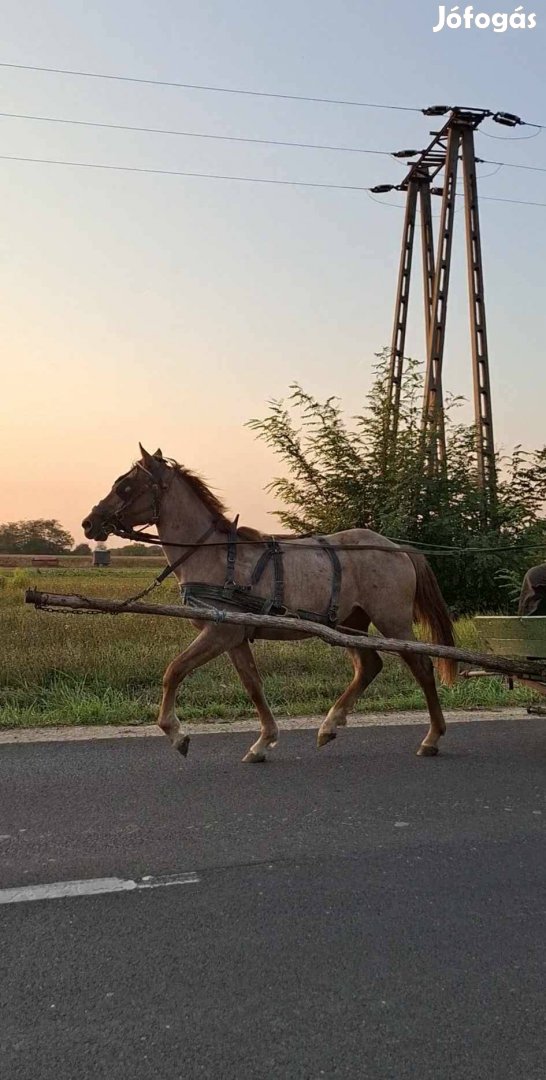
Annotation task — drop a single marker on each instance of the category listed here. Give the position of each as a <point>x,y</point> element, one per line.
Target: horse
<point>371,580</point>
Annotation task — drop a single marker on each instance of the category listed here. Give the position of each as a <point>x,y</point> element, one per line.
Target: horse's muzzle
<point>95,528</point>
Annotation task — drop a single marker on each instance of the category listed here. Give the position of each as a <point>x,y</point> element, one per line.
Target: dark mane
<point>211,501</point>
<point>197,484</point>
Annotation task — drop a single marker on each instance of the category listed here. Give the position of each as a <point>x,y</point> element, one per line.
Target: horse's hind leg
<point>367,664</point>
<point>422,669</point>
<point>245,665</point>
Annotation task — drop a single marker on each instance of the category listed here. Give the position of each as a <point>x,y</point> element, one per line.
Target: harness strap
<point>229,583</point>
<point>187,554</point>
<point>272,552</point>
<point>336,579</point>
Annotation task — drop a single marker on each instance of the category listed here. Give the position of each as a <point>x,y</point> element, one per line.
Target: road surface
<point>355,912</point>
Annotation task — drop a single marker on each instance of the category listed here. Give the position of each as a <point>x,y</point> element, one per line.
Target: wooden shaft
<point>503,664</point>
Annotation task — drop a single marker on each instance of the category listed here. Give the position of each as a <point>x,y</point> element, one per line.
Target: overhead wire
<point>195,134</point>
<point>241,139</point>
<point>518,202</point>
<point>233,138</point>
<point>513,165</point>
<point>212,89</point>
<point>179,172</point>
<point>513,138</point>
<point>224,176</point>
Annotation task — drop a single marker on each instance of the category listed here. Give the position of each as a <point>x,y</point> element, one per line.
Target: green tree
<point>40,537</point>
<point>82,549</point>
<point>342,475</point>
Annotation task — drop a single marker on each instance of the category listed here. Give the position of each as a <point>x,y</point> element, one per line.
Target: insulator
<point>507,119</point>
<point>382,189</point>
<point>404,153</point>
<point>436,191</point>
<point>436,110</point>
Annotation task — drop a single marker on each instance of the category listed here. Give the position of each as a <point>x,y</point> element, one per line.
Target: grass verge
<point>99,669</point>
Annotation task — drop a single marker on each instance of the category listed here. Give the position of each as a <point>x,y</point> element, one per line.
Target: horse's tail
<point>429,609</point>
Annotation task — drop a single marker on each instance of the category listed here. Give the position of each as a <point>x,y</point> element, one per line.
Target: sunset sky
<point>169,309</point>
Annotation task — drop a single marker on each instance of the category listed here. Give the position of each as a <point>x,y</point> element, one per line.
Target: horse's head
<point>134,499</point>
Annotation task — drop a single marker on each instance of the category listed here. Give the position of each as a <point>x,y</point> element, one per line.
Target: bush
<point>343,477</point>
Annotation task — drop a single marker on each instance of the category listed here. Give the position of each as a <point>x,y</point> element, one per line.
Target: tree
<point>82,549</point>
<point>40,537</point>
<point>343,476</point>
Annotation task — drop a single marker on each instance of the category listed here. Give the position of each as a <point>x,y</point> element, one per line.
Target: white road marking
<point>57,890</point>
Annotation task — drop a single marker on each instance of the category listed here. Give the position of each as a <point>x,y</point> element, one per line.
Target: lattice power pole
<point>453,143</point>
<point>418,189</point>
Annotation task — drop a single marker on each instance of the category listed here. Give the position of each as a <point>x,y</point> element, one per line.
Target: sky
<point>170,309</point>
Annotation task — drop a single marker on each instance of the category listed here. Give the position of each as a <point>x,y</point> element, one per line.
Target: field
<point>98,669</point>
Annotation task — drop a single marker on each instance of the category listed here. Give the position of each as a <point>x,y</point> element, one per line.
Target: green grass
<point>99,669</point>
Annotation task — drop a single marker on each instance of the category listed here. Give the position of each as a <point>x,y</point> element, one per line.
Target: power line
<point>195,134</point>
<point>242,139</point>
<point>438,110</point>
<point>212,89</point>
<point>511,165</point>
<point>519,202</point>
<point>514,138</point>
<point>222,176</point>
<point>178,172</point>
<point>486,176</point>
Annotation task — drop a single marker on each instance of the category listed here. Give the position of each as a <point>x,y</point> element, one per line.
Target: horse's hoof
<point>427,751</point>
<point>325,737</point>
<point>182,745</point>
<point>253,758</point>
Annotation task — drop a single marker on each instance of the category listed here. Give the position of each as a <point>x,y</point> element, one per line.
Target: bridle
<point>114,523</point>
<point>158,489</point>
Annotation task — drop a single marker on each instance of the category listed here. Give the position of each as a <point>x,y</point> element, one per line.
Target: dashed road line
<point>59,890</point>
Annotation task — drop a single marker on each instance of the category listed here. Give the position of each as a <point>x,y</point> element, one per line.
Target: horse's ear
<point>148,460</point>
<point>158,455</point>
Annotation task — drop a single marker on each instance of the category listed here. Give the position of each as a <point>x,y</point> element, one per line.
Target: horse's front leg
<point>243,660</point>
<point>211,642</point>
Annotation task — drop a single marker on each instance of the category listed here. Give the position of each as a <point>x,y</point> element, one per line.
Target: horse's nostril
<point>86,524</point>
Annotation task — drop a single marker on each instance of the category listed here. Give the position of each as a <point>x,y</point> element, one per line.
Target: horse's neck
<point>183,518</point>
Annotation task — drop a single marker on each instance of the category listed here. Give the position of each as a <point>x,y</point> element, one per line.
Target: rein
<point>171,567</point>
<point>404,546</point>
<point>273,543</point>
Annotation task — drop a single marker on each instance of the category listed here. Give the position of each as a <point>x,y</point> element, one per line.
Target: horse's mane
<point>200,488</point>
<point>215,505</point>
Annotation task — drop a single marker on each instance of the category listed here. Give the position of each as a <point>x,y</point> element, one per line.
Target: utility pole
<point>418,189</point>
<point>454,143</point>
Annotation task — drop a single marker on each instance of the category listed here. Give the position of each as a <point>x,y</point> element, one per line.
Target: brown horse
<point>377,583</point>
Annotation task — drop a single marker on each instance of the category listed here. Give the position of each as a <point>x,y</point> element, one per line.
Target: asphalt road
<point>359,912</point>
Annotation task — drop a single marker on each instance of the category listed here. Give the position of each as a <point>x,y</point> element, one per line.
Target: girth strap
<point>336,579</point>
<point>273,552</point>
